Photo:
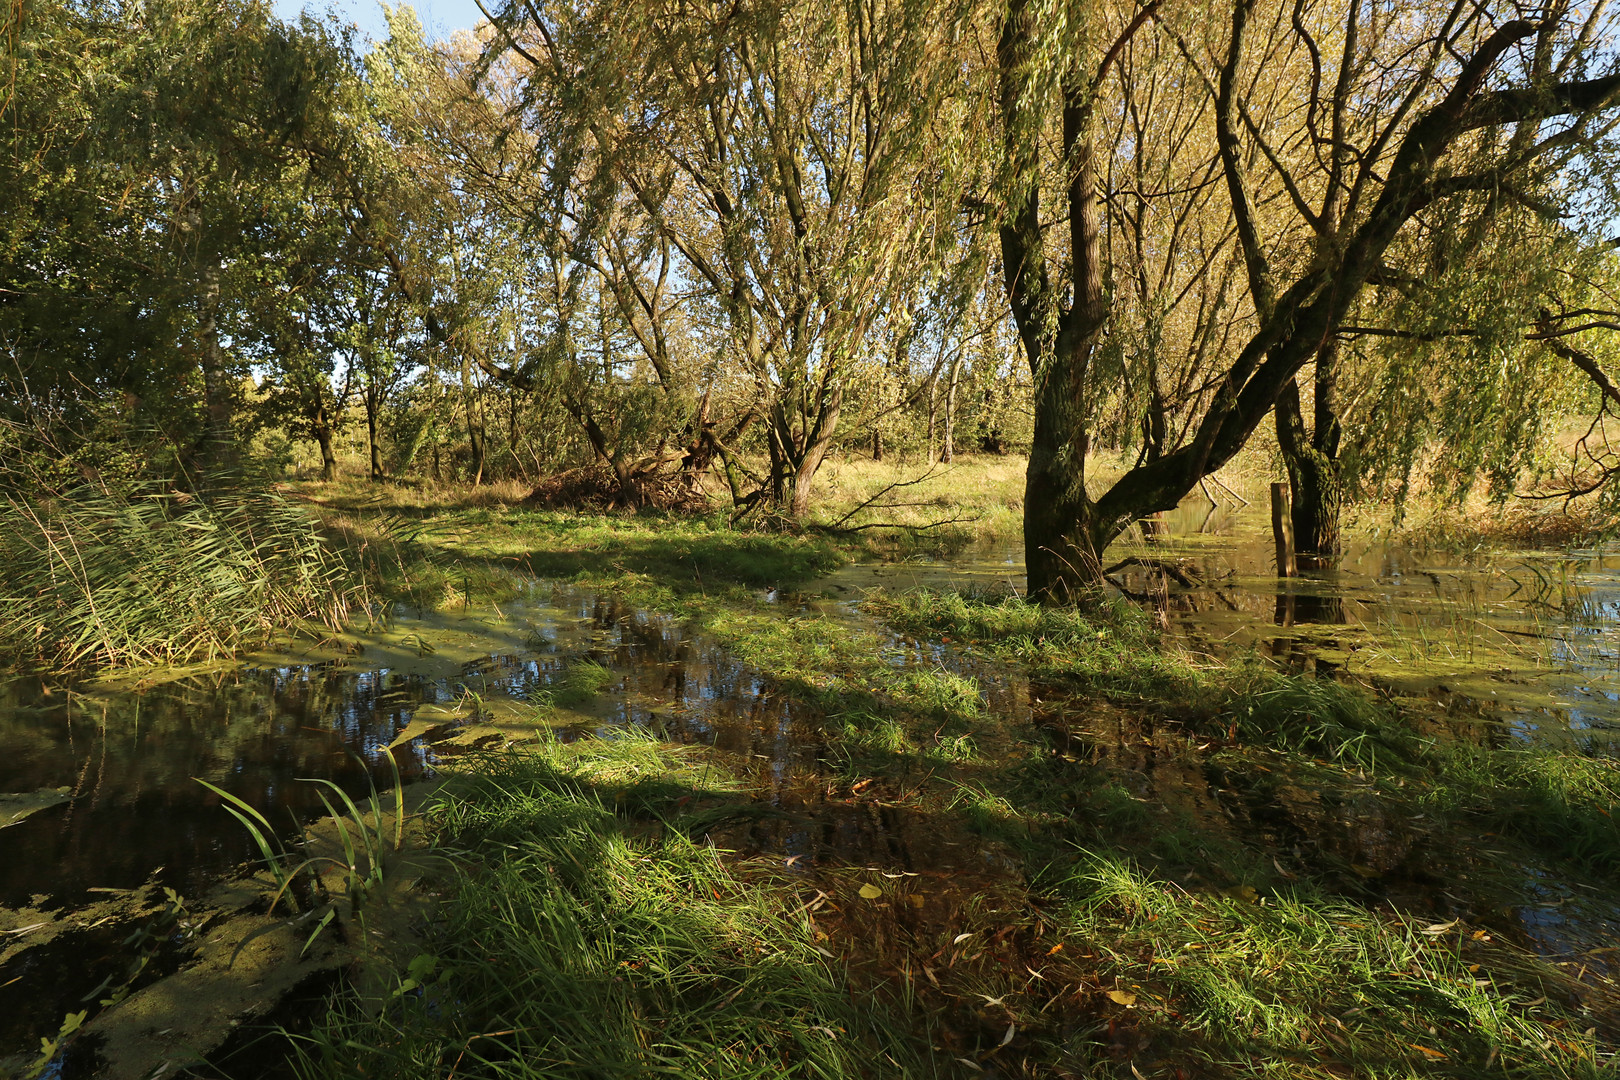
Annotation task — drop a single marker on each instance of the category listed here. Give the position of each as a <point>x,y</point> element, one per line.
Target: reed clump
<point>152,574</point>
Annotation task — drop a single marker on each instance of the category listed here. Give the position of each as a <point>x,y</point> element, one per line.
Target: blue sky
<point>439,17</point>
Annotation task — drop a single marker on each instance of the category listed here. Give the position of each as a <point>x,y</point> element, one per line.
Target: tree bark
<point>1314,481</point>
<point>476,440</point>
<point>817,442</point>
<point>933,419</point>
<point>1063,536</point>
<point>371,433</point>
<point>320,425</point>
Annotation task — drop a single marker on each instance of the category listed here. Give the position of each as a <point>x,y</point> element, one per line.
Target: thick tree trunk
<point>1314,481</point>
<point>877,443</point>
<point>320,426</point>
<point>1064,536</point>
<point>779,442</point>
<point>817,442</point>
<point>371,436</point>
<point>796,457</point>
<point>947,446</point>
<point>1062,547</point>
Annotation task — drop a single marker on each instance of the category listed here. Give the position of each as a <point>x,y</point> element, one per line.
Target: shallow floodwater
<point>101,802</point>
<point>1530,639</point>
<point>106,807</point>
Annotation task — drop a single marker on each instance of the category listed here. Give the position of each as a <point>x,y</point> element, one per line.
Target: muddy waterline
<point>104,809</point>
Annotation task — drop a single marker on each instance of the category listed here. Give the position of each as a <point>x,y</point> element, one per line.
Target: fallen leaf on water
<point>1439,928</point>
<point>1054,950</point>
<point>1122,997</point>
<point>959,938</point>
<point>1432,1055</point>
<point>917,900</point>
<point>870,892</point>
<point>1364,871</point>
<point>970,1063</point>
<point>1012,1029</point>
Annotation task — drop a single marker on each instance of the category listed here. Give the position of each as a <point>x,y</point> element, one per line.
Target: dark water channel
<point>104,808</point>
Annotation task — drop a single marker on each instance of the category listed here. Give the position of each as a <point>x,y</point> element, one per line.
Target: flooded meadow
<point>104,810</point>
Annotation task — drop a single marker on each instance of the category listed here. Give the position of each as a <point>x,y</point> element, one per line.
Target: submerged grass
<point>1566,804</point>
<point>579,943</point>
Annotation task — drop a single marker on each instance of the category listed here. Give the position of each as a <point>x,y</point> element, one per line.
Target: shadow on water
<point>106,809</point>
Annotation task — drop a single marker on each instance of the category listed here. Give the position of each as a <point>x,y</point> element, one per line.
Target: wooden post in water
<point>1282,527</point>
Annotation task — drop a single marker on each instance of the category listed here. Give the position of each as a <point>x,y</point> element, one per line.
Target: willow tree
<point>805,162</point>
<point>1509,335</point>
<point>147,144</point>
<point>1452,84</point>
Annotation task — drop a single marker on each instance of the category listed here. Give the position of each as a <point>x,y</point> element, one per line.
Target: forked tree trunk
<point>817,443</point>
<point>796,457</point>
<point>1063,534</point>
<point>1314,481</point>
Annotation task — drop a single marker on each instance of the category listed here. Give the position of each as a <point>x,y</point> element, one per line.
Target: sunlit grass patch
<point>1110,647</point>
<point>570,946</point>
<point>681,555</point>
<point>913,508</point>
<point>580,682</point>
<point>1302,985</point>
<point>1563,804</point>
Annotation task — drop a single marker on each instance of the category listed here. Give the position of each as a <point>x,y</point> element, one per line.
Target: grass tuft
<point>155,575</point>
<point>576,945</point>
<point>1319,987</point>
